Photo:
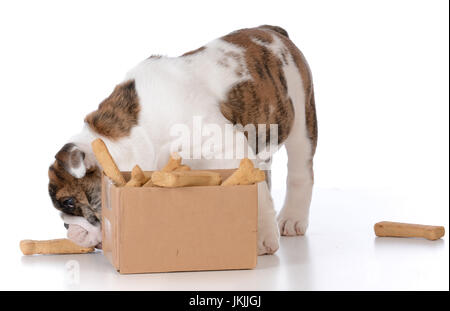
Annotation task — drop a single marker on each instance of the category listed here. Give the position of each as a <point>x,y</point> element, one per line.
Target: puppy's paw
<point>268,240</point>
<point>291,223</point>
<point>82,237</point>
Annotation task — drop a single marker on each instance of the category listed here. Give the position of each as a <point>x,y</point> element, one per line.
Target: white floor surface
<point>339,252</point>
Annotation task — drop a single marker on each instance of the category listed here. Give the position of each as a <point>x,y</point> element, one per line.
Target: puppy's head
<point>75,184</point>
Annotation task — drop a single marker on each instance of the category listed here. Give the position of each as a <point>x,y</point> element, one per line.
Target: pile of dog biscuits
<point>174,174</point>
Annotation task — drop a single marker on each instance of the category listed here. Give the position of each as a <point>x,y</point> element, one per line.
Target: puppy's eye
<point>69,202</point>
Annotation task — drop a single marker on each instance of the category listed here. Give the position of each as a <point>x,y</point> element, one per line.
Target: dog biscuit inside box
<point>152,229</point>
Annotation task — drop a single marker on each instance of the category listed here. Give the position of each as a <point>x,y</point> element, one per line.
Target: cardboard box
<point>156,229</point>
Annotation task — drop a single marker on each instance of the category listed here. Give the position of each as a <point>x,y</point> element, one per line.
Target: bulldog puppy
<point>250,77</point>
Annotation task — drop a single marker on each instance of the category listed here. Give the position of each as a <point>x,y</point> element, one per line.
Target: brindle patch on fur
<point>194,51</point>
<point>264,99</point>
<point>236,58</point>
<point>117,114</point>
<point>249,102</point>
<point>305,72</point>
<point>86,191</point>
<point>278,29</point>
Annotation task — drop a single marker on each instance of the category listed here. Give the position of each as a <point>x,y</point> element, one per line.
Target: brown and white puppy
<point>250,77</point>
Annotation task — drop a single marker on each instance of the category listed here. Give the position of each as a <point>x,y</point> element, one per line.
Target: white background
<point>381,80</point>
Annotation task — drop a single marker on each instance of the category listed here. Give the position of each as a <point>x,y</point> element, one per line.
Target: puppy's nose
<point>66,226</point>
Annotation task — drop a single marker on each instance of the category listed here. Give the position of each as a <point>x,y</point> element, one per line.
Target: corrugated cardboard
<point>156,229</point>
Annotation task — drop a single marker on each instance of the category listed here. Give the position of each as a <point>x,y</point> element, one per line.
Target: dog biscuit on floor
<point>57,246</point>
<point>398,229</point>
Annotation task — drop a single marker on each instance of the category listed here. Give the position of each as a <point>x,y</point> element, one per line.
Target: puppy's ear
<point>71,157</point>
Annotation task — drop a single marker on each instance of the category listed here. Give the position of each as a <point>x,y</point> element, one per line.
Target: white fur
<point>81,231</point>
<point>79,171</point>
<point>268,234</point>
<point>293,218</point>
<point>174,90</point>
<point>76,171</point>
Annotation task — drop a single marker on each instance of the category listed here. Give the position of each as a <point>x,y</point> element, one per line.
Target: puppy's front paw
<point>268,240</point>
<point>292,223</point>
<point>82,237</point>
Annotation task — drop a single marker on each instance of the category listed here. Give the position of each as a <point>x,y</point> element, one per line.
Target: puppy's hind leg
<point>293,218</point>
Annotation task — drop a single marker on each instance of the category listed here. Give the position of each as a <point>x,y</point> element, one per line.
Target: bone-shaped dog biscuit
<point>182,168</point>
<point>246,174</point>
<point>149,183</point>
<point>138,177</point>
<point>398,229</point>
<point>106,161</point>
<point>58,246</point>
<point>186,178</point>
<point>173,163</point>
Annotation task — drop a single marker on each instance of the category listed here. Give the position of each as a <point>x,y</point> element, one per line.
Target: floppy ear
<point>71,157</point>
